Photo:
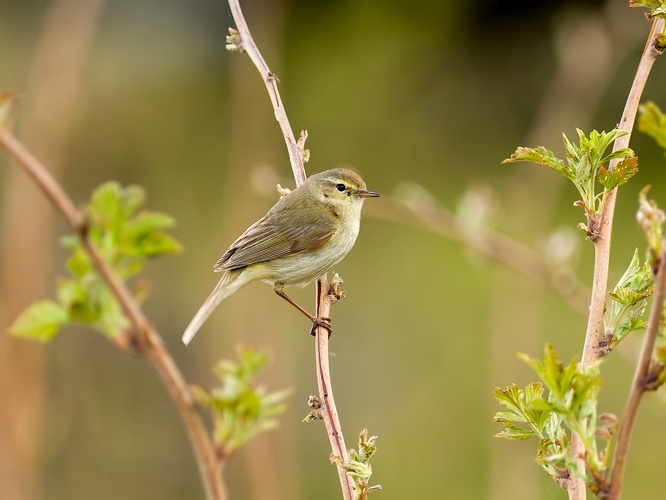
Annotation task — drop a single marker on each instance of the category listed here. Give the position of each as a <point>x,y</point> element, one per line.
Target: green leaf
<point>41,321</point>
<point>652,122</point>
<point>620,175</point>
<point>525,406</point>
<point>111,321</point>
<point>146,239</point>
<point>240,410</point>
<point>573,389</point>
<point>583,165</point>
<point>72,296</point>
<point>628,297</point>
<point>541,156</point>
<point>628,301</point>
<point>657,7</point>
<point>515,433</point>
<point>79,263</point>
<point>125,238</point>
<point>358,466</point>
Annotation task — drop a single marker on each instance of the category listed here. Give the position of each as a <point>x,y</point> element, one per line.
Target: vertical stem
<point>602,243</point>
<point>329,411</point>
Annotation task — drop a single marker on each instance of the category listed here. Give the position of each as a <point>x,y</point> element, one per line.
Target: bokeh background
<point>423,98</point>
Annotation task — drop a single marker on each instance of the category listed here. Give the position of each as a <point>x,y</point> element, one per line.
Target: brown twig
<point>498,248</point>
<point>490,244</point>
<point>638,387</point>
<point>576,487</point>
<point>296,157</point>
<point>328,411</point>
<point>149,342</point>
<point>247,45</point>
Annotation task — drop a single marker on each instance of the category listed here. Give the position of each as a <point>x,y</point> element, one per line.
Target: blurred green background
<point>427,92</point>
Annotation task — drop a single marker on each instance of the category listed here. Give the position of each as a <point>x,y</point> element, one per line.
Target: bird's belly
<point>304,268</point>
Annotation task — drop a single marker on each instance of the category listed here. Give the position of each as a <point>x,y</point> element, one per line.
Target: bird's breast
<point>306,267</point>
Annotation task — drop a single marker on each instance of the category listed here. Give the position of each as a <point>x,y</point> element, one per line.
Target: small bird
<point>301,238</point>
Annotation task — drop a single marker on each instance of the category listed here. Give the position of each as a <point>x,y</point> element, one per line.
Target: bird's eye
<point>340,187</point>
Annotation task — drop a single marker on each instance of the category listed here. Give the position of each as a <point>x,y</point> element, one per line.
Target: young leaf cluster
<point>570,406</point>
<point>584,166</point>
<point>627,304</point>
<point>126,237</point>
<point>240,410</point>
<point>234,42</point>
<point>657,7</point>
<point>358,467</point>
<point>529,416</point>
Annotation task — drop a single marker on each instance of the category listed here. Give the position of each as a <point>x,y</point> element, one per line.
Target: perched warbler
<point>301,238</point>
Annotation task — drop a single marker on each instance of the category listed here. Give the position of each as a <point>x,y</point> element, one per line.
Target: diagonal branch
<point>491,244</point>
<point>638,385</point>
<point>145,339</point>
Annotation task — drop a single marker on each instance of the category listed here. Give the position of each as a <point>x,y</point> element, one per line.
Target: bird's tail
<point>230,282</point>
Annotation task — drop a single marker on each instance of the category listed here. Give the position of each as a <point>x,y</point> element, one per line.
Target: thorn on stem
<point>653,379</point>
<point>81,224</point>
<point>606,344</point>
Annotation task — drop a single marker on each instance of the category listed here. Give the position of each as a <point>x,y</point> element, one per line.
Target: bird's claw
<point>324,323</point>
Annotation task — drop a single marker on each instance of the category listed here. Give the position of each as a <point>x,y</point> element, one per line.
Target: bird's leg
<point>316,322</point>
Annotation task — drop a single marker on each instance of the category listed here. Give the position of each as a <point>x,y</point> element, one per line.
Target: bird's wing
<point>290,230</point>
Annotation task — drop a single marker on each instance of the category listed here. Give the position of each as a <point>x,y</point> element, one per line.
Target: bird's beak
<point>364,193</point>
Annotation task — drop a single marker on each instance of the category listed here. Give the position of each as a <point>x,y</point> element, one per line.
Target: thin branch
<point>148,342</point>
<point>500,249</point>
<point>591,352</point>
<point>490,244</point>
<point>602,244</point>
<point>247,44</point>
<point>638,387</point>
<point>329,411</point>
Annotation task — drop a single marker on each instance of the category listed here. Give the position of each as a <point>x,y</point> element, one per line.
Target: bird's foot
<point>324,323</point>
